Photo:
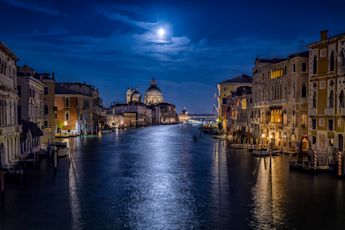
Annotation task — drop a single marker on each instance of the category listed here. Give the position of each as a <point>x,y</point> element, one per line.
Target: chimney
<point>324,35</point>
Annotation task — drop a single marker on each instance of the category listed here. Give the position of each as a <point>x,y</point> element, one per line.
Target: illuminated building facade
<point>280,114</point>
<point>240,116</point>
<point>327,89</point>
<point>225,90</point>
<point>78,109</point>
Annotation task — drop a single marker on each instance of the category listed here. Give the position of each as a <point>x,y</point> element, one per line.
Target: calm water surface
<point>163,178</point>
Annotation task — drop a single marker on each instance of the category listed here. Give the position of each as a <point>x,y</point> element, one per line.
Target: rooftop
<point>243,78</point>
<point>4,48</point>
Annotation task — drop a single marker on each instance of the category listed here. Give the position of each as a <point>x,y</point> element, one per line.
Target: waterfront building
<point>78,109</point>
<point>225,89</point>
<point>49,110</point>
<point>121,115</point>
<point>30,92</point>
<point>47,120</point>
<point>9,128</point>
<point>280,95</point>
<point>326,87</point>
<point>183,116</point>
<point>164,113</point>
<point>30,139</point>
<point>241,114</point>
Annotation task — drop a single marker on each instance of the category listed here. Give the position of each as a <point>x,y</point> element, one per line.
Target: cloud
<point>33,7</point>
<point>113,15</point>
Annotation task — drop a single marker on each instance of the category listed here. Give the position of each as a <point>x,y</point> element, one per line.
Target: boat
<point>265,152</point>
<point>61,148</point>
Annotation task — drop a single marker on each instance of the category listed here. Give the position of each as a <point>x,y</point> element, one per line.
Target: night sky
<point>114,44</point>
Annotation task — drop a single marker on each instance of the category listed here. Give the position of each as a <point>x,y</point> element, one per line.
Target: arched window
<point>331,100</point>
<point>331,62</point>
<point>343,58</point>
<point>342,99</point>
<point>304,90</point>
<point>315,65</point>
<point>314,100</point>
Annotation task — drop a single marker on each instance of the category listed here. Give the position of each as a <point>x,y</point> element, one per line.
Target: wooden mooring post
<point>340,164</point>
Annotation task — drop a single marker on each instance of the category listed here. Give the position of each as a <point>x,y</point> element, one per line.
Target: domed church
<point>153,94</point>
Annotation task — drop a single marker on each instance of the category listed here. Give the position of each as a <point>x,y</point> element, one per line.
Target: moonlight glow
<point>161,32</point>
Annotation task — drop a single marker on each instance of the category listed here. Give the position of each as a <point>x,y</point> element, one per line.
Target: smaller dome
<point>136,96</point>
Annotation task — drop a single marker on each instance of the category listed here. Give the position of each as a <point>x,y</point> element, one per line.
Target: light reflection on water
<point>170,177</point>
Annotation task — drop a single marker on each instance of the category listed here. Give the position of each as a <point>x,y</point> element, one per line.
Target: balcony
<point>9,130</point>
<point>6,82</point>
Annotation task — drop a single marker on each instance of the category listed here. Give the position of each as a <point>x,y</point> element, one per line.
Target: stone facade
<point>240,125</point>
<point>31,102</point>
<point>326,87</point>
<point>9,128</point>
<point>281,102</point>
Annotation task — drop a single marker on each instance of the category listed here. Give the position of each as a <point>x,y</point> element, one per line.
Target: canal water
<point>170,177</point>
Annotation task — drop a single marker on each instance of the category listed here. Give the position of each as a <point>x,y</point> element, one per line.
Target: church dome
<point>153,94</point>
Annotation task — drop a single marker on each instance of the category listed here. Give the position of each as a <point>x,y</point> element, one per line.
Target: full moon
<point>161,32</point>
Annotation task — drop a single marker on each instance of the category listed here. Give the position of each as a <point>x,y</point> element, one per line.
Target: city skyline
<point>118,45</point>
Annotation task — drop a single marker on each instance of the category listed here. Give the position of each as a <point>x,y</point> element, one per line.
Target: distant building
<point>183,116</point>
<point>9,128</point>
<point>136,113</point>
<point>225,89</point>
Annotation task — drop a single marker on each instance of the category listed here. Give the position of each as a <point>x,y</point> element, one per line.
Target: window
<point>223,100</point>
<point>304,67</point>
<point>67,102</point>
<point>45,124</point>
<point>313,123</point>
<point>67,115</point>
<point>304,90</point>
<point>45,90</point>
<point>304,120</point>
<point>330,124</point>
<point>331,100</point>
<point>331,62</point>
<point>19,89</point>
<point>315,65</point>
<point>46,110</point>
<point>343,58</point>
<point>314,140</point>
<point>294,68</point>
<point>341,99</point>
